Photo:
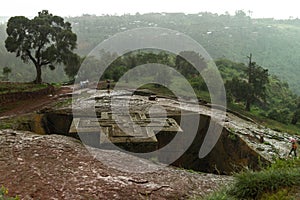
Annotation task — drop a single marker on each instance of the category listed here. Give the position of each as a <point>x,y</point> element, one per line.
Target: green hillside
<point>275,44</point>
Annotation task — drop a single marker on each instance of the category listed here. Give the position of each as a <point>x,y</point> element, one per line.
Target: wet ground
<point>58,167</point>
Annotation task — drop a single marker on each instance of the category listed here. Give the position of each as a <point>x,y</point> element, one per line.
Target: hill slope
<point>275,44</point>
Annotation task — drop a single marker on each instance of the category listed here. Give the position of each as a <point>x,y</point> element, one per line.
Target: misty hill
<point>275,44</point>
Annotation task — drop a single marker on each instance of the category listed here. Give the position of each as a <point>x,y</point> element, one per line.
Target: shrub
<point>251,185</point>
<point>273,182</point>
<point>281,115</point>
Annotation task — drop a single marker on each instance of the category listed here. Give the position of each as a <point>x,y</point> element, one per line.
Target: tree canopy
<point>45,40</point>
<point>6,71</point>
<point>186,68</point>
<point>252,88</point>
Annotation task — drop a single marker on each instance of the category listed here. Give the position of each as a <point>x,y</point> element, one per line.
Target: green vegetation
<point>4,194</point>
<point>20,87</point>
<point>17,122</point>
<point>277,181</point>
<point>278,109</point>
<point>259,117</point>
<point>45,40</point>
<point>232,136</point>
<point>160,75</point>
<point>251,90</point>
<point>6,71</point>
<point>274,43</point>
<point>63,103</point>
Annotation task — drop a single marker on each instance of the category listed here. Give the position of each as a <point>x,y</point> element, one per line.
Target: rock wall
<point>57,123</point>
<point>48,122</point>
<point>230,154</point>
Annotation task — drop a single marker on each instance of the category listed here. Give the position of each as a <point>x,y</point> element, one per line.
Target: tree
<point>238,88</point>
<point>296,114</point>
<point>186,68</point>
<point>257,80</point>
<point>6,71</point>
<point>240,13</point>
<point>45,40</point>
<point>280,115</point>
<point>253,88</point>
<point>72,65</point>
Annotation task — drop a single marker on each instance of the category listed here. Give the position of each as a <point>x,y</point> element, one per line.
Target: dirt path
<point>31,105</point>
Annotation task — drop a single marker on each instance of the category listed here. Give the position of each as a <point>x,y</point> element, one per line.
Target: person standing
<point>108,85</point>
<point>294,147</point>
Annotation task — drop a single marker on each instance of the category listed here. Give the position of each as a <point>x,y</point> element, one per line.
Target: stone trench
<point>231,153</point>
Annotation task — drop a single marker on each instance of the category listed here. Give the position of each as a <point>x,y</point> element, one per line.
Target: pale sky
<point>261,8</point>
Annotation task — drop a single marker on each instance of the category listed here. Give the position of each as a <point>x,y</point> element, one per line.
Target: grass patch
<point>253,185</point>
<point>63,103</point>
<point>220,195</point>
<point>277,181</point>
<point>264,121</point>
<point>20,87</point>
<point>282,194</point>
<point>15,122</point>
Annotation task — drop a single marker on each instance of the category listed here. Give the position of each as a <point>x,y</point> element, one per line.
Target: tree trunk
<point>248,104</point>
<point>294,121</point>
<point>295,118</point>
<point>38,79</point>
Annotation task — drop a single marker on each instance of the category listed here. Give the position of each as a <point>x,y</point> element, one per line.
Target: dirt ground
<point>31,105</point>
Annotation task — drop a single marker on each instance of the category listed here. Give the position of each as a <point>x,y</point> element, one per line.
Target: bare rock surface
<point>275,143</point>
<point>57,167</point>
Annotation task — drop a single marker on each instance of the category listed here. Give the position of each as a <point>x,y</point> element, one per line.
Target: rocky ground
<point>58,167</point>
<point>267,142</point>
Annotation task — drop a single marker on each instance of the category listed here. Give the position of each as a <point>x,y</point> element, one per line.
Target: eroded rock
<point>58,167</point>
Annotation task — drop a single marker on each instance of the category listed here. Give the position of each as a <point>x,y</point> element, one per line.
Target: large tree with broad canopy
<point>45,40</point>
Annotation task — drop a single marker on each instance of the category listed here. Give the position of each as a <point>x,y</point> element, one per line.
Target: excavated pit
<point>230,154</point>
